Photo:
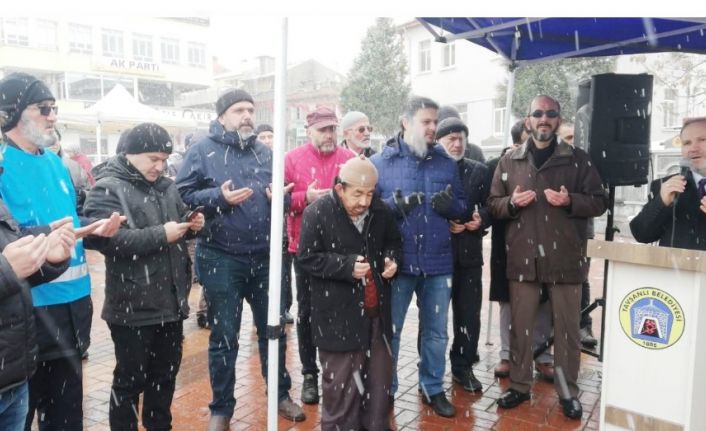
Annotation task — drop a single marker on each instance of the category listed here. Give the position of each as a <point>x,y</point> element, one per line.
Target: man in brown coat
<point>548,190</point>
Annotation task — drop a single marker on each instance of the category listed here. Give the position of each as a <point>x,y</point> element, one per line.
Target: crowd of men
<point>366,231</point>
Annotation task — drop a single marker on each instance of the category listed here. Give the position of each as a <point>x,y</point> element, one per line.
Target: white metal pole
<point>277,217</point>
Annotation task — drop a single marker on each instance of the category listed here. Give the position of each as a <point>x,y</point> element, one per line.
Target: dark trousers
<point>466,300</point>
<point>524,303</point>
<point>147,360</point>
<point>56,393</point>
<point>307,350</point>
<point>356,389</point>
<point>287,259</point>
<point>228,281</point>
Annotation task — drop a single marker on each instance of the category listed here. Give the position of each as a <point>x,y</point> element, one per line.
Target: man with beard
<point>312,168</point>
<point>421,184</point>
<point>467,242</point>
<point>228,173</point>
<point>549,190</point>
<point>37,189</point>
<point>356,133</point>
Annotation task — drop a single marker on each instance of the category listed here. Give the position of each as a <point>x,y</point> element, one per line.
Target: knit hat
<point>321,117</point>
<point>230,98</point>
<point>447,111</point>
<point>148,138</point>
<point>450,125</point>
<point>17,91</point>
<point>263,128</point>
<point>352,118</point>
<point>359,172</point>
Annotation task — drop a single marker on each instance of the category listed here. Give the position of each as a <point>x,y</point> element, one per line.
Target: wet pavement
<point>474,411</point>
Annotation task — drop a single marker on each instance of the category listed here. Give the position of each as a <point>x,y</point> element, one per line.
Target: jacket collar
<point>219,134</point>
<point>562,149</point>
<point>396,146</point>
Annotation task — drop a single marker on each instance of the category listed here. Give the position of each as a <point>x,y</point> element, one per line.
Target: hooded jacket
<point>146,278</point>
<point>330,243</point>
<point>243,229</point>
<point>426,239</point>
<point>545,243</point>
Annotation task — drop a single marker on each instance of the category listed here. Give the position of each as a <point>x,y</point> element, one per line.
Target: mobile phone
<point>189,217</point>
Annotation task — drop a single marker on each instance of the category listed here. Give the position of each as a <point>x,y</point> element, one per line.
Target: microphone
<point>684,168</point>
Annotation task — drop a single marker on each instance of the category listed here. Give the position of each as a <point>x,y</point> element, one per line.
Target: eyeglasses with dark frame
<point>362,129</point>
<point>46,110</point>
<point>539,113</point>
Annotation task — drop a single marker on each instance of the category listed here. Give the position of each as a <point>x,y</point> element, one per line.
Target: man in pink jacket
<point>312,168</point>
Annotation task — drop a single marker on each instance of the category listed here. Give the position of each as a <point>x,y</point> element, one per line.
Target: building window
<point>170,51</point>
<point>670,108</point>
<point>142,47</point>
<point>155,93</point>
<point>80,39</point>
<point>424,56</point>
<point>449,55</point>
<point>46,35</point>
<point>15,31</point>
<point>82,86</point>
<point>113,43</point>
<point>197,54</point>
<point>498,121</point>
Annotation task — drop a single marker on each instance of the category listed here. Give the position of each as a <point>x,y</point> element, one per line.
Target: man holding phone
<point>147,278</point>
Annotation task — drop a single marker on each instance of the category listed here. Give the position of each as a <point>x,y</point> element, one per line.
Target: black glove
<point>441,201</point>
<point>407,203</point>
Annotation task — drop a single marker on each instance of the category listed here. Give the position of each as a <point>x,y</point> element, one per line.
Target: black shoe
<point>468,380</point>
<point>512,399</point>
<point>289,410</point>
<point>202,321</point>
<point>440,405</point>
<point>310,389</point>
<point>587,338</point>
<point>288,318</point>
<point>572,408</point>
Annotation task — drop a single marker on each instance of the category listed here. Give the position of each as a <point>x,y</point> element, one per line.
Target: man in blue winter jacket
<point>421,184</point>
<point>228,173</point>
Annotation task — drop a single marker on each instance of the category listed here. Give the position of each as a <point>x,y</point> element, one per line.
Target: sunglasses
<point>46,110</point>
<point>362,129</point>
<point>539,114</point>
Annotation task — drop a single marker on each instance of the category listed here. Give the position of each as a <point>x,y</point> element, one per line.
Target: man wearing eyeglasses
<point>356,133</point>
<point>548,190</point>
<point>37,189</point>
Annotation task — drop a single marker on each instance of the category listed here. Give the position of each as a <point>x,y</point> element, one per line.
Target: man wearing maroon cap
<point>312,168</point>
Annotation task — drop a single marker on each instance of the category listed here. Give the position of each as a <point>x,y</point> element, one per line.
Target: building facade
<point>83,58</point>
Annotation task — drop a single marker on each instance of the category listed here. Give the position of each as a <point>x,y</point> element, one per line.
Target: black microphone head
<point>684,167</point>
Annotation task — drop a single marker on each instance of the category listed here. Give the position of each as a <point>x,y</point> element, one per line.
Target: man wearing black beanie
<point>145,310</point>
<point>229,173</point>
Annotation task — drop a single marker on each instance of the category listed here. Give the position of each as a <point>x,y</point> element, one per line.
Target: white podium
<point>654,361</point>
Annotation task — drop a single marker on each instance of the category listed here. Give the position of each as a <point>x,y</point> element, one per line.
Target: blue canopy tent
<point>523,41</point>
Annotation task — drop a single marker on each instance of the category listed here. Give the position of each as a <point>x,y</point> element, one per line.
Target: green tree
<point>557,78</point>
<point>377,82</point>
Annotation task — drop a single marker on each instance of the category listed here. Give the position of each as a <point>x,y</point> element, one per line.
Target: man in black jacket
<point>350,245</point>
<point>675,213</point>
<point>26,261</point>
<point>467,245</point>
<point>148,276</point>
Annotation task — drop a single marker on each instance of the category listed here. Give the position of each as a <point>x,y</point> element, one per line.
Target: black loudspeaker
<point>613,126</point>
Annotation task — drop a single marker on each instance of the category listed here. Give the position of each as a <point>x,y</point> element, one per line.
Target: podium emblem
<point>651,318</point>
